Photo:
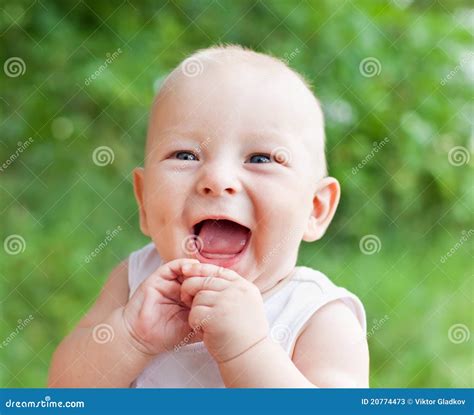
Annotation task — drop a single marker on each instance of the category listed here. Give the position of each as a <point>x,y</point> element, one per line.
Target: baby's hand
<point>155,317</point>
<point>226,307</point>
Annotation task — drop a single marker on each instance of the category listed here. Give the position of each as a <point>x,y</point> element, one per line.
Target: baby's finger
<point>173,270</point>
<point>169,289</point>
<point>186,298</point>
<point>209,270</point>
<point>192,285</point>
<point>160,288</point>
<point>207,298</point>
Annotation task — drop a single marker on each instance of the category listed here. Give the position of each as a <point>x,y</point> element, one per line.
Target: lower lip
<point>223,262</point>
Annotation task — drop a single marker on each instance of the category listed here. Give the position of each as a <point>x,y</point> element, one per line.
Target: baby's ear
<point>138,186</point>
<point>325,201</point>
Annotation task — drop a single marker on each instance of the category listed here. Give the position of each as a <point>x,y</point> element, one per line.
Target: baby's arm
<point>80,361</point>
<point>331,352</point>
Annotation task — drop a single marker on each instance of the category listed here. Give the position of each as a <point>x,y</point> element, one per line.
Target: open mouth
<point>220,239</point>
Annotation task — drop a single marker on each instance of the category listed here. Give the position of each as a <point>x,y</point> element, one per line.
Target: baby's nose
<point>217,181</point>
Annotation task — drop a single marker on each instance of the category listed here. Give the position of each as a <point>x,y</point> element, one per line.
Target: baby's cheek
<point>287,228</point>
<point>156,216</point>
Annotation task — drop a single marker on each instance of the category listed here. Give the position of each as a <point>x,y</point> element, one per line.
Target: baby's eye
<point>260,158</point>
<point>185,155</point>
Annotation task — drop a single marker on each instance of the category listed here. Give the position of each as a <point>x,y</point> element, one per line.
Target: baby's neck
<point>267,292</point>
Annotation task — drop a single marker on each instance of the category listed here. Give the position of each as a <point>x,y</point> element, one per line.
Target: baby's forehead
<point>255,93</point>
<point>239,69</point>
<point>237,83</point>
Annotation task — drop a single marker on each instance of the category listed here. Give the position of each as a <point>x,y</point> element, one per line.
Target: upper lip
<point>199,219</point>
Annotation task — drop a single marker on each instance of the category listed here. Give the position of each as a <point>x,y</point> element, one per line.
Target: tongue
<point>222,237</point>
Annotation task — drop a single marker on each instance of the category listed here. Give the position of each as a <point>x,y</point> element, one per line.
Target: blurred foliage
<point>409,194</point>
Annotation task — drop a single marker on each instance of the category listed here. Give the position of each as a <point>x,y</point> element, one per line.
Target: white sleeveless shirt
<point>287,311</point>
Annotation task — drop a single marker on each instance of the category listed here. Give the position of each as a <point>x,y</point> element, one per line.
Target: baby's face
<point>230,173</point>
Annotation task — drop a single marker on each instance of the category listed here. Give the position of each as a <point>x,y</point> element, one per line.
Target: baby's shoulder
<point>309,277</point>
<point>316,289</point>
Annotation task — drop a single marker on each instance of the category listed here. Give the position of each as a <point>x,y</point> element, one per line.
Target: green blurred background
<point>398,73</point>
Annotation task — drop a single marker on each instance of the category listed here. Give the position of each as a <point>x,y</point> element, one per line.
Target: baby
<point>235,178</point>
